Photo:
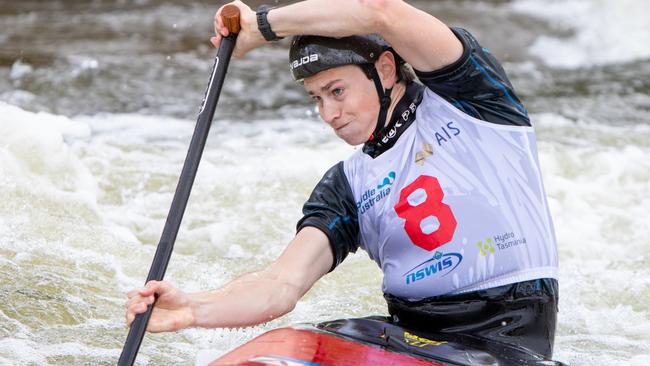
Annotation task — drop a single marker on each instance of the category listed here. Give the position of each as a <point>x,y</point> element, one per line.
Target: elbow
<point>282,310</point>
<point>282,302</point>
<point>377,13</point>
<point>288,301</point>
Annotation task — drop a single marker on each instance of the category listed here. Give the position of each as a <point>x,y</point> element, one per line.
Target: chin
<point>353,140</point>
<point>353,136</point>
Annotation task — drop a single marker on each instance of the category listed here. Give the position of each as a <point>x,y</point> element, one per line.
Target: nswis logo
<point>439,265</point>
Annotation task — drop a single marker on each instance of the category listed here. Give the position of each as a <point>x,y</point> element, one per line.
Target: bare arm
<point>265,295</point>
<point>252,299</point>
<point>421,39</point>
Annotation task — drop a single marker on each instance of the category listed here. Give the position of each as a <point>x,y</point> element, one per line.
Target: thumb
<point>157,287</point>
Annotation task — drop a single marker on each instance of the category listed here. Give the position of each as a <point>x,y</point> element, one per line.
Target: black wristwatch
<point>263,24</point>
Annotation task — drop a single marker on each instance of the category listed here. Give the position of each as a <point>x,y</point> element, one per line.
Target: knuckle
<point>135,307</point>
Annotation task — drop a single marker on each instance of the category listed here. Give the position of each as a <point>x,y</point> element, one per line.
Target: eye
<point>337,92</point>
<point>315,98</point>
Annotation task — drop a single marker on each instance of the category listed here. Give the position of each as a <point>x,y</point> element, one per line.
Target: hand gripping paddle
<point>230,17</point>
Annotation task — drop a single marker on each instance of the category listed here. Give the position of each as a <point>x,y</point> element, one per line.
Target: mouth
<point>341,126</point>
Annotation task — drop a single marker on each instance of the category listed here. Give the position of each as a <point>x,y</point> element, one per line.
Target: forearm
<point>326,18</point>
<point>252,299</point>
<point>421,39</point>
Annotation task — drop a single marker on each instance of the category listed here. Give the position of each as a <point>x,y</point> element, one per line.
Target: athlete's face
<point>347,101</point>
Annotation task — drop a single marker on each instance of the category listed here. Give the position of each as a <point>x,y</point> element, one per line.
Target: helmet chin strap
<point>384,101</point>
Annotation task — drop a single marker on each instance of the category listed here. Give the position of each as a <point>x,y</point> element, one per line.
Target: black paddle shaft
<point>185,182</point>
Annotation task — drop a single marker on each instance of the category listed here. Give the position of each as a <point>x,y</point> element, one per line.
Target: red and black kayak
<point>372,341</point>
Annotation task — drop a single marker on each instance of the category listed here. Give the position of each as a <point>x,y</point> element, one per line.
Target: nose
<point>329,111</point>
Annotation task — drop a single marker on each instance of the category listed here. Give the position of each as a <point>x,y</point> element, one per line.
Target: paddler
<point>445,195</point>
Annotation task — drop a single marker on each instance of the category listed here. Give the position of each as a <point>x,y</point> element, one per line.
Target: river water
<point>98,101</point>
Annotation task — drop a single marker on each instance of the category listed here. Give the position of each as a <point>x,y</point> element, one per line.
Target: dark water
<point>153,57</point>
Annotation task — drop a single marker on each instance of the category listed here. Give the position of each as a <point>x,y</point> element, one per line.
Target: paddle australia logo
<point>303,60</point>
<point>375,194</point>
<point>441,264</point>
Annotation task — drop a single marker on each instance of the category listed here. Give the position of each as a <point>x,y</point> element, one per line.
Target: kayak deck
<point>372,341</point>
<point>290,346</point>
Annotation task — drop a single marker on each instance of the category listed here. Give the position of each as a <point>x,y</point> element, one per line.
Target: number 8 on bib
<point>429,223</point>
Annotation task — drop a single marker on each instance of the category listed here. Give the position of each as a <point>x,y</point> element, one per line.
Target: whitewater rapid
<point>92,143</point>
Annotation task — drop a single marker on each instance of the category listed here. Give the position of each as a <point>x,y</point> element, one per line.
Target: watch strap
<point>263,24</point>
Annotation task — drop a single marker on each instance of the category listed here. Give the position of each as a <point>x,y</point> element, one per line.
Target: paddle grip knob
<point>230,18</point>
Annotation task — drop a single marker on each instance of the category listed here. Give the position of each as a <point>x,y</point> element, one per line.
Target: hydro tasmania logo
<point>439,265</point>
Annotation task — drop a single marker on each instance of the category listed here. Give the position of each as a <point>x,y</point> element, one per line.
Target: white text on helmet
<point>305,60</point>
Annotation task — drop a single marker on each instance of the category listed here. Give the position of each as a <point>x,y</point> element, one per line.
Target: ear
<point>387,69</point>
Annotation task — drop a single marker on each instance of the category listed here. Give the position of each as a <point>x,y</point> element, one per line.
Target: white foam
<point>15,351</point>
<point>247,196</point>
<point>135,129</point>
<point>35,156</point>
<point>20,69</point>
<point>20,97</point>
<point>599,192</point>
<point>604,31</point>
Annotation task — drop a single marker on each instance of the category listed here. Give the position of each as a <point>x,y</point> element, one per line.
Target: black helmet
<point>312,54</point>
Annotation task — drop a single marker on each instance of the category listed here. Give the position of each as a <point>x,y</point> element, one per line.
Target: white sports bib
<point>456,205</point>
